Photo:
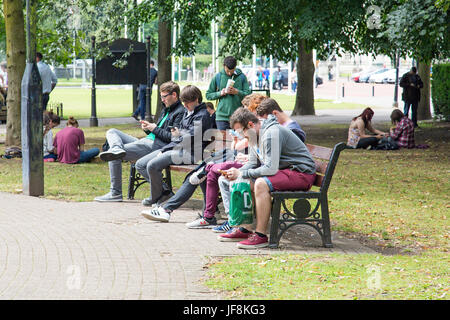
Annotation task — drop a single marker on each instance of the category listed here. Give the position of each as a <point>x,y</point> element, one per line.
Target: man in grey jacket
<point>279,162</point>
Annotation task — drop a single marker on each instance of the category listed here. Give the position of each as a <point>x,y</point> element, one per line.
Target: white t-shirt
<point>48,142</point>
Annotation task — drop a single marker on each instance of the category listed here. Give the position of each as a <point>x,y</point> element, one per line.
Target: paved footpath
<point>70,250</point>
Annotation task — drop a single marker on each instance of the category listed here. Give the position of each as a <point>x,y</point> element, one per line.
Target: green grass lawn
<point>117,101</point>
<point>395,201</point>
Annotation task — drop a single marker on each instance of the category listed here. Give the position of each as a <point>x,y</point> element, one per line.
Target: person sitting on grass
<point>403,132</point>
<point>187,147</point>
<point>279,162</point>
<point>51,121</point>
<point>212,112</point>
<point>69,144</point>
<point>128,148</point>
<point>357,137</point>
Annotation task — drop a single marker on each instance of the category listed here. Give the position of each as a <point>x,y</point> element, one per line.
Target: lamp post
<point>31,114</point>
<point>148,93</point>
<point>93,121</point>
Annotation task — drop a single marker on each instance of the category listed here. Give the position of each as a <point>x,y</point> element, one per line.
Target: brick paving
<point>70,250</point>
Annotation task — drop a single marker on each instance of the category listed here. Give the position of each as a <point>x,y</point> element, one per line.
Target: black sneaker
<point>198,176</point>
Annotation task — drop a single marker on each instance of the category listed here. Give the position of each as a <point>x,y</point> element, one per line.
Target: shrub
<point>440,86</point>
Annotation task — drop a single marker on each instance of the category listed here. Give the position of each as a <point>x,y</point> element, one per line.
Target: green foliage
<point>410,28</point>
<point>440,85</point>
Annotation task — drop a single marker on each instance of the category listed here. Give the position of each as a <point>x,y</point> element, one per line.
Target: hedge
<point>440,86</point>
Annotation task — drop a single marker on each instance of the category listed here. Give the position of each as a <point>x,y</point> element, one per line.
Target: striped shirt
<point>403,133</point>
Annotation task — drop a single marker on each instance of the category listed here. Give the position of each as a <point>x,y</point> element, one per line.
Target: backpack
<point>13,152</point>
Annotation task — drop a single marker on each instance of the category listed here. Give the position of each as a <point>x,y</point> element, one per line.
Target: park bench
<point>136,179</point>
<point>301,213</point>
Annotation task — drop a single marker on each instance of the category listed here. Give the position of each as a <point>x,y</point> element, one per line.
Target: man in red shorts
<point>279,162</point>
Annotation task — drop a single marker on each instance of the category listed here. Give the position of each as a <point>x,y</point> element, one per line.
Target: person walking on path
<point>229,87</point>
<point>411,84</point>
<point>48,77</point>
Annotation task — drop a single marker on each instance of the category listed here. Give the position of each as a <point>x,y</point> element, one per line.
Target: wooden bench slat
<point>183,168</point>
<point>319,152</point>
<point>321,166</point>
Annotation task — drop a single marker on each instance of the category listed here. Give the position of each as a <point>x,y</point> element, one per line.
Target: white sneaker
<point>202,223</point>
<point>156,214</point>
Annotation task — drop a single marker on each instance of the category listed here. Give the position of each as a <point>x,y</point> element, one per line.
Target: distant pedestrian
<point>279,80</point>
<point>48,77</point>
<point>266,74</point>
<point>143,93</point>
<point>411,84</point>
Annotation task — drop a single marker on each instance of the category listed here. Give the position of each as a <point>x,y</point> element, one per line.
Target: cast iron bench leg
<point>131,182</point>
<point>276,209</point>
<point>326,238</point>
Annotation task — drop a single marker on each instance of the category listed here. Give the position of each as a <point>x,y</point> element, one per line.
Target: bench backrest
<point>326,160</point>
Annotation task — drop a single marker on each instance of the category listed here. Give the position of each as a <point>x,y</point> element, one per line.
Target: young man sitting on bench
<point>286,164</point>
<point>187,147</point>
<point>125,147</point>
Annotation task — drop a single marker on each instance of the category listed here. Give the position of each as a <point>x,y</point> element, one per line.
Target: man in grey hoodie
<point>280,162</point>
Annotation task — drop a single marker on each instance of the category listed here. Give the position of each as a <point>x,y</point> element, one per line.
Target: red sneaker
<point>254,242</point>
<point>233,235</point>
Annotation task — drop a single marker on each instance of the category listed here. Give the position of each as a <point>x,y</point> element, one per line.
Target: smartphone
<point>234,133</point>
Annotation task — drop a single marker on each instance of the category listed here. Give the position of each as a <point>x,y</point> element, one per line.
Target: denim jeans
<point>142,101</point>
<point>135,149</point>
<point>222,125</point>
<point>88,155</point>
<point>414,106</point>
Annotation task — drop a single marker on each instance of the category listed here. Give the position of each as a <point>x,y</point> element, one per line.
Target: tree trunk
<point>164,63</point>
<point>304,102</point>
<point>423,111</point>
<point>15,59</point>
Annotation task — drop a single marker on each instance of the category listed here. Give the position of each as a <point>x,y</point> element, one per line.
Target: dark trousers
<point>142,102</point>
<point>45,98</point>
<point>414,106</point>
<point>363,143</point>
<point>184,194</point>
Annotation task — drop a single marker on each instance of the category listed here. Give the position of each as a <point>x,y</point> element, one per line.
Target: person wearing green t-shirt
<point>228,94</point>
<point>125,147</point>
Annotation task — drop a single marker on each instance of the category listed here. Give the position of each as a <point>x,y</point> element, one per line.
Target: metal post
<point>148,95</point>
<point>373,90</point>
<point>31,114</point>
<point>343,93</point>
<point>395,103</point>
<point>93,121</point>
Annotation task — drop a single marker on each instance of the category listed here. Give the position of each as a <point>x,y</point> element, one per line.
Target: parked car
<point>379,77</point>
<point>391,76</point>
<point>365,77</point>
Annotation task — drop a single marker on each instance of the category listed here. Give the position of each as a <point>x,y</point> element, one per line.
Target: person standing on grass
<point>48,77</point>
<point>229,96</point>
<point>279,162</point>
<point>128,148</point>
<point>69,144</point>
<point>411,84</point>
